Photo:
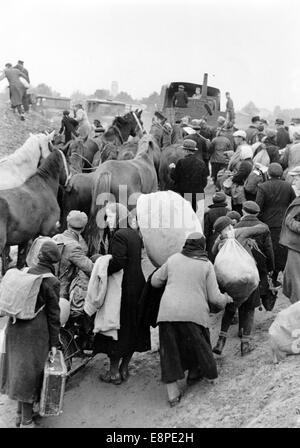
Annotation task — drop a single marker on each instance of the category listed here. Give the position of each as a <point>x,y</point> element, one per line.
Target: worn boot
<point>220,345</point>
<point>246,347</point>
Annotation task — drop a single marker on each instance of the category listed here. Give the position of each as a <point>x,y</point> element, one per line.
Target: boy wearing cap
<point>74,253</point>
<point>262,251</point>
<point>273,197</point>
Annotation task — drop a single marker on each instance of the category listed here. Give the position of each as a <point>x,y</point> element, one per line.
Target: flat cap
<point>221,223</point>
<point>189,144</point>
<point>219,197</point>
<point>251,207</point>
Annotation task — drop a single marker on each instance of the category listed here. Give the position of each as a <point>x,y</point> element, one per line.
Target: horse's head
<point>147,145</point>
<point>129,124</point>
<point>45,143</point>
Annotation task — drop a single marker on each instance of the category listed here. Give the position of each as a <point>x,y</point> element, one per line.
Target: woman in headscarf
<point>183,318</point>
<point>125,246</point>
<point>28,341</point>
<point>84,126</point>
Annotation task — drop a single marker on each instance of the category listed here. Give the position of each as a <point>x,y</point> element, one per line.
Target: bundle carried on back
<point>236,270</point>
<point>165,219</point>
<point>18,294</point>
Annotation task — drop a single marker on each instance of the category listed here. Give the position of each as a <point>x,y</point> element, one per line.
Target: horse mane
<point>51,166</point>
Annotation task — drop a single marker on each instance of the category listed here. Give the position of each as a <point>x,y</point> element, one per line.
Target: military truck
<point>209,101</point>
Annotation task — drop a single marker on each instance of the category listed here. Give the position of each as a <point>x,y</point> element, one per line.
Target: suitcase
<point>52,395</point>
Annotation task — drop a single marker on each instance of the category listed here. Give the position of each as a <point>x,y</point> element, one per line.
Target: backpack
<point>255,177</point>
<point>18,294</point>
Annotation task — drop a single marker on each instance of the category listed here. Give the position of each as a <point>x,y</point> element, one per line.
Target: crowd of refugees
<point>262,169</point>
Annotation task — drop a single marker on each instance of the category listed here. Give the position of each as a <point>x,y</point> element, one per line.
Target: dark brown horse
<point>32,209</point>
<point>121,181</point>
<point>118,133</point>
<point>171,154</point>
<point>80,154</point>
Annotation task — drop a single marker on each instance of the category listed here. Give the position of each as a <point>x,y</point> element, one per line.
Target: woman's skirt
<point>291,278</point>
<point>22,366</point>
<point>185,346</point>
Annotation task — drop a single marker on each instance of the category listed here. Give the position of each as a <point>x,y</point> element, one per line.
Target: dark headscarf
<point>194,247</point>
<point>49,253</point>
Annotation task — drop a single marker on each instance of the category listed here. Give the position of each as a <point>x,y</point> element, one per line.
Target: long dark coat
<point>210,216</point>
<point>274,197</point>
<point>28,343</point>
<point>126,248</point>
<point>190,175</point>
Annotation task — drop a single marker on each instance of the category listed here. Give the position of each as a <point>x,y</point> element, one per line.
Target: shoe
<point>124,374</point>
<point>22,118</point>
<point>107,377</point>
<point>18,420</point>
<point>31,424</point>
<point>175,401</point>
<point>246,348</point>
<point>220,345</point>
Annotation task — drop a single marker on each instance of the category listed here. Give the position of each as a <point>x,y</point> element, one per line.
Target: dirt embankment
<point>14,132</point>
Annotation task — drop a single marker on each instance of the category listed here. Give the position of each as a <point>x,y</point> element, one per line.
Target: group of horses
<point>50,181</point>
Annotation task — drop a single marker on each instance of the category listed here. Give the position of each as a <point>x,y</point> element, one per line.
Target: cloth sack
<point>236,270</point>
<point>18,294</point>
<point>285,332</point>
<point>165,220</point>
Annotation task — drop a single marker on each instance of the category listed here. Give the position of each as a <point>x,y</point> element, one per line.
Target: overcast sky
<point>249,47</point>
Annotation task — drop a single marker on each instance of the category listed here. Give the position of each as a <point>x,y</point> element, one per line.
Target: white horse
<point>16,168</point>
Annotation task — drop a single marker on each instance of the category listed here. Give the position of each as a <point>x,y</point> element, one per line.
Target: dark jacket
<point>243,172</point>
<point>68,126</point>
<point>125,246</point>
<point>273,152</point>
<point>217,148</point>
<point>180,99</point>
<point>190,175</point>
<point>206,132</point>
<point>282,137</point>
<point>201,145</point>
<point>251,133</point>
<point>265,263</point>
<point>264,257</point>
<point>273,197</point>
<point>289,236</point>
<point>210,216</point>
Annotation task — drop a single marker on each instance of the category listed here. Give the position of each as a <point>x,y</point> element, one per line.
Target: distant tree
<point>250,109</point>
<point>102,94</point>
<point>43,89</point>
<point>78,96</point>
<point>124,96</point>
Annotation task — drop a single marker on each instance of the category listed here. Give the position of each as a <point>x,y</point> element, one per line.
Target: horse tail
<point>101,194</point>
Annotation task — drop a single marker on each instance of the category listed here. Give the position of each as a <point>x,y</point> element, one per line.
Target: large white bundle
<point>236,270</point>
<point>165,219</point>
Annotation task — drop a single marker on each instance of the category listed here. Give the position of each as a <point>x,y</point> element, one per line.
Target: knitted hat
<point>189,144</point>
<point>221,223</point>
<point>251,207</point>
<point>275,170</point>
<point>234,215</point>
<point>219,197</point>
<point>77,219</point>
<point>49,252</point>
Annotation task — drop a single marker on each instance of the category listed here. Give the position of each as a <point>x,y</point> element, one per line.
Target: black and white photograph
<point>149,217</point>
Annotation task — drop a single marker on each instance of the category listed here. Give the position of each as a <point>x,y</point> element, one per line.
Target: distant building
<point>114,90</point>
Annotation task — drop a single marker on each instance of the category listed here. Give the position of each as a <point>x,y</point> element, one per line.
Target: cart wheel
<point>66,341</point>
